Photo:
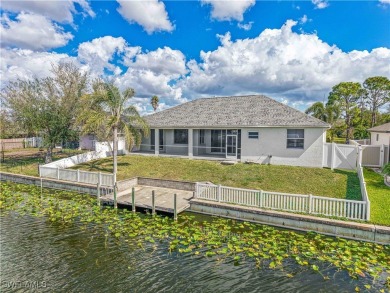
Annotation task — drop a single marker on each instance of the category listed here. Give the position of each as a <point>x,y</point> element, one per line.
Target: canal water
<point>37,255</point>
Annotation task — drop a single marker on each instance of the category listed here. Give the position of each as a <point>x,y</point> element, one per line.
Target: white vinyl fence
<point>372,155</point>
<point>340,156</point>
<point>363,189</point>
<point>104,179</point>
<point>351,209</point>
<point>77,159</point>
<point>33,142</point>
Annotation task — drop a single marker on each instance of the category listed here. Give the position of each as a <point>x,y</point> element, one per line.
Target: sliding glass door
<point>218,141</point>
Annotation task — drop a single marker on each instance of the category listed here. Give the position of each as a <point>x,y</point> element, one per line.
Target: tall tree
<point>107,111</point>
<point>345,95</point>
<point>377,93</point>
<point>154,102</point>
<point>48,105</point>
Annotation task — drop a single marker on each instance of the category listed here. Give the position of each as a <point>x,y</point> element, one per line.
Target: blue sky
<point>293,51</point>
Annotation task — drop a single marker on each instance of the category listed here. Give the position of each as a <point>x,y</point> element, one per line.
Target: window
<point>295,138</point>
<point>181,136</point>
<point>253,134</point>
<point>201,136</point>
<point>377,136</point>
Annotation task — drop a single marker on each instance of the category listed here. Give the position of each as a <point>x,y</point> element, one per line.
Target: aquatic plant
<point>217,238</point>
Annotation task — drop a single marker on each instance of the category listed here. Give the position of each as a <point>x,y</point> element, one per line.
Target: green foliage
<point>218,239</point>
<point>377,94</point>
<point>317,110</point>
<point>106,111</point>
<point>154,102</point>
<point>386,169</point>
<point>8,127</point>
<point>345,96</point>
<point>360,132</point>
<point>47,106</point>
<point>359,106</point>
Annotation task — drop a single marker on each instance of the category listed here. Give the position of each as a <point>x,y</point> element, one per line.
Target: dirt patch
<point>29,153</point>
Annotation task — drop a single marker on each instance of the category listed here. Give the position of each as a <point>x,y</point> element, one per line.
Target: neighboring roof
<point>381,128</point>
<point>239,111</point>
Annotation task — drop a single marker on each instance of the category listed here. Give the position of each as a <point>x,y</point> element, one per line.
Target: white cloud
<point>60,11</point>
<point>162,61</point>
<point>150,14</point>
<point>229,9</point>
<point>292,67</point>
<point>98,53</point>
<point>150,73</point>
<point>320,4</point>
<point>154,73</point>
<point>245,26</point>
<point>31,31</point>
<point>384,2</point>
<point>304,19</point>
<point>280,63</point>
<point>27,64</point>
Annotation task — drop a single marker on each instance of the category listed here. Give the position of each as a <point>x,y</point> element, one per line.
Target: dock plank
<point>143,198</point>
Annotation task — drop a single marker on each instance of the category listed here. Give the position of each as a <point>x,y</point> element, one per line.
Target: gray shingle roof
<point>238,111</point>
<point>381,128</point>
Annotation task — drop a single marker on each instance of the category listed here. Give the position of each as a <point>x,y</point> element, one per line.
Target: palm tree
<point>317,110</point>
<point>106,111</point>
<point>329,113</point>
<point>154,102</point>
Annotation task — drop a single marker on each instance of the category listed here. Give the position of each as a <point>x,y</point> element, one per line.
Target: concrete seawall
<point>53,183</point>
<point>345,229</point>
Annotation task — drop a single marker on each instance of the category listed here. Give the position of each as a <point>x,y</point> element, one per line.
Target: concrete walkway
<point>143,198</point>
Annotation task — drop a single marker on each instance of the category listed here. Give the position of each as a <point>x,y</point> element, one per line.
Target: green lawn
<point>315,181</point>
<point>25,161</point>
<point>379,195</point>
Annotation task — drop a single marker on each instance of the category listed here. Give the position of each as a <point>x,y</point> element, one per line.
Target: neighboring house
<point>380,134</point>
<point>90,142</point>
<point>246,128</point>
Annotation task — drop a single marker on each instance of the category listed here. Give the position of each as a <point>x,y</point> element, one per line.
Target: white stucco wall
<point>273,141</point>
<point>105,147</point>
<point>383,138</point>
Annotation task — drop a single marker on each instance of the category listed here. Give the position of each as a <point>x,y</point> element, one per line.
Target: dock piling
<point>133,199</point>
<point>115,202</point>
<point>175,207</point>
<point>153,203</point>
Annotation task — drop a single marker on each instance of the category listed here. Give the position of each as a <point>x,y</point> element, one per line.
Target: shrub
<point>386,169</point>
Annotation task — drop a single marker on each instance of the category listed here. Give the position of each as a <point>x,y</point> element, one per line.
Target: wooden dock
<point>164,198</point>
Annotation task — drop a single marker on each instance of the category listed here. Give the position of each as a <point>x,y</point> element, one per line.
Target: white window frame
<point>296,138</point>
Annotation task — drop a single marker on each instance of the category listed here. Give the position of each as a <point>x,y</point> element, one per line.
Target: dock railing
<point>103,179</point>
<point>351,209</point>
